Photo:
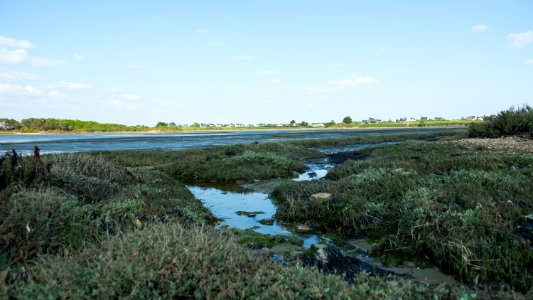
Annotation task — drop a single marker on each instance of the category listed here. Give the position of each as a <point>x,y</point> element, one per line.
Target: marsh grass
<point>177,261</point>
<point>57,203</point>
<point>436,201</point>
<point>228,164</point>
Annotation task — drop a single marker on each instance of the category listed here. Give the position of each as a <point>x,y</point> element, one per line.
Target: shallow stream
<point>244,207</point>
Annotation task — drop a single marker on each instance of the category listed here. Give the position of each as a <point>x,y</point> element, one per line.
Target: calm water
<point>55,143</point>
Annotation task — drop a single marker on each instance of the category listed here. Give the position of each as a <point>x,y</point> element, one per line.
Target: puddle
<point>225,205</point>
<point>225,202</point>
<point>318,168</point>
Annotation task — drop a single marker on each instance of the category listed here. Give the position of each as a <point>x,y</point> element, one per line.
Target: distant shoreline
<point>156,132</point>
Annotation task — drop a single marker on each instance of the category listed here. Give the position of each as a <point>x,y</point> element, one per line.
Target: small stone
<point>301,228</point>
<point>295,254</point>
<point>319,198</point>
<point>262,251</point>
<point>529,217</point>
<point>322,256</point>
<point>138,223</point>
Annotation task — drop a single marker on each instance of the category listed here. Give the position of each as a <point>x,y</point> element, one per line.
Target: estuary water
<point>58,143</point>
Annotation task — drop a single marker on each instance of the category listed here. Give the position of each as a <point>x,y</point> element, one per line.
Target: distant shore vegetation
<point>52,125</point>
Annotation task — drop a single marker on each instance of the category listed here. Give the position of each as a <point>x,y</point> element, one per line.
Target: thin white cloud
<point>479,28</point>
<point>25,90</point>
<point>130,96</point>
<point>73,86</point>
<point>245,57</point>
<point>78,56</point>
<point>10,42</point>
<point>352,81</point>
<point>201,30</point>
<point>267,73</point>
<point>270,81</point>
<point>13,57</point>
<point>19,54</point>
<point>520,40</point>
<point>45,62</point>
<point>14,75</point>
<point>528,61</point>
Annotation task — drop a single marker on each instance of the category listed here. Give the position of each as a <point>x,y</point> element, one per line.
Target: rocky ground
<point>508,145</point>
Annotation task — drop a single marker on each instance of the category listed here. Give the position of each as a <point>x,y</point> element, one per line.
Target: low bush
<point>514,121</point>
<point>36,222</point>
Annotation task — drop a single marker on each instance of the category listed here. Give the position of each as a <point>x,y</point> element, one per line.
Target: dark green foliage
<point>50,124</point>
<point>515,121</point>
<point>34,222</point>
<point>347,120</point>
<point>9,124</point>
<point>458,208</point>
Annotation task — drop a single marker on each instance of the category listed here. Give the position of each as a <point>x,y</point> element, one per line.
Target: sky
<point>263,61</point>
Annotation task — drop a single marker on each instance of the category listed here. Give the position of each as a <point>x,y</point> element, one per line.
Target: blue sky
<point>140,62</point>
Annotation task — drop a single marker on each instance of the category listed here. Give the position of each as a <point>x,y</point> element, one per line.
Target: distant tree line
<point>50,124</point>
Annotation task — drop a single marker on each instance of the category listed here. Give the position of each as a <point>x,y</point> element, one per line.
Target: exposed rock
<point>285,249</point>
<point>250,214</point>
<point>296,254</point>
<point>319,198</point>
<point>302,228</point>
<point>332,260</point>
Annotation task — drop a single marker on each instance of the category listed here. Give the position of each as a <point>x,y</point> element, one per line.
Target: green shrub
<point>172,261</point>
<point>510,122</point>
<point>87,189</point>
<point>88,165</point>
<point>37,222</point>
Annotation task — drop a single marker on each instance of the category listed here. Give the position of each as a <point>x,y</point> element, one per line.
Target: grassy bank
<point>118,224</point>
<point>115,225</point>
<point>461,209</point>
<point>227,164</point>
